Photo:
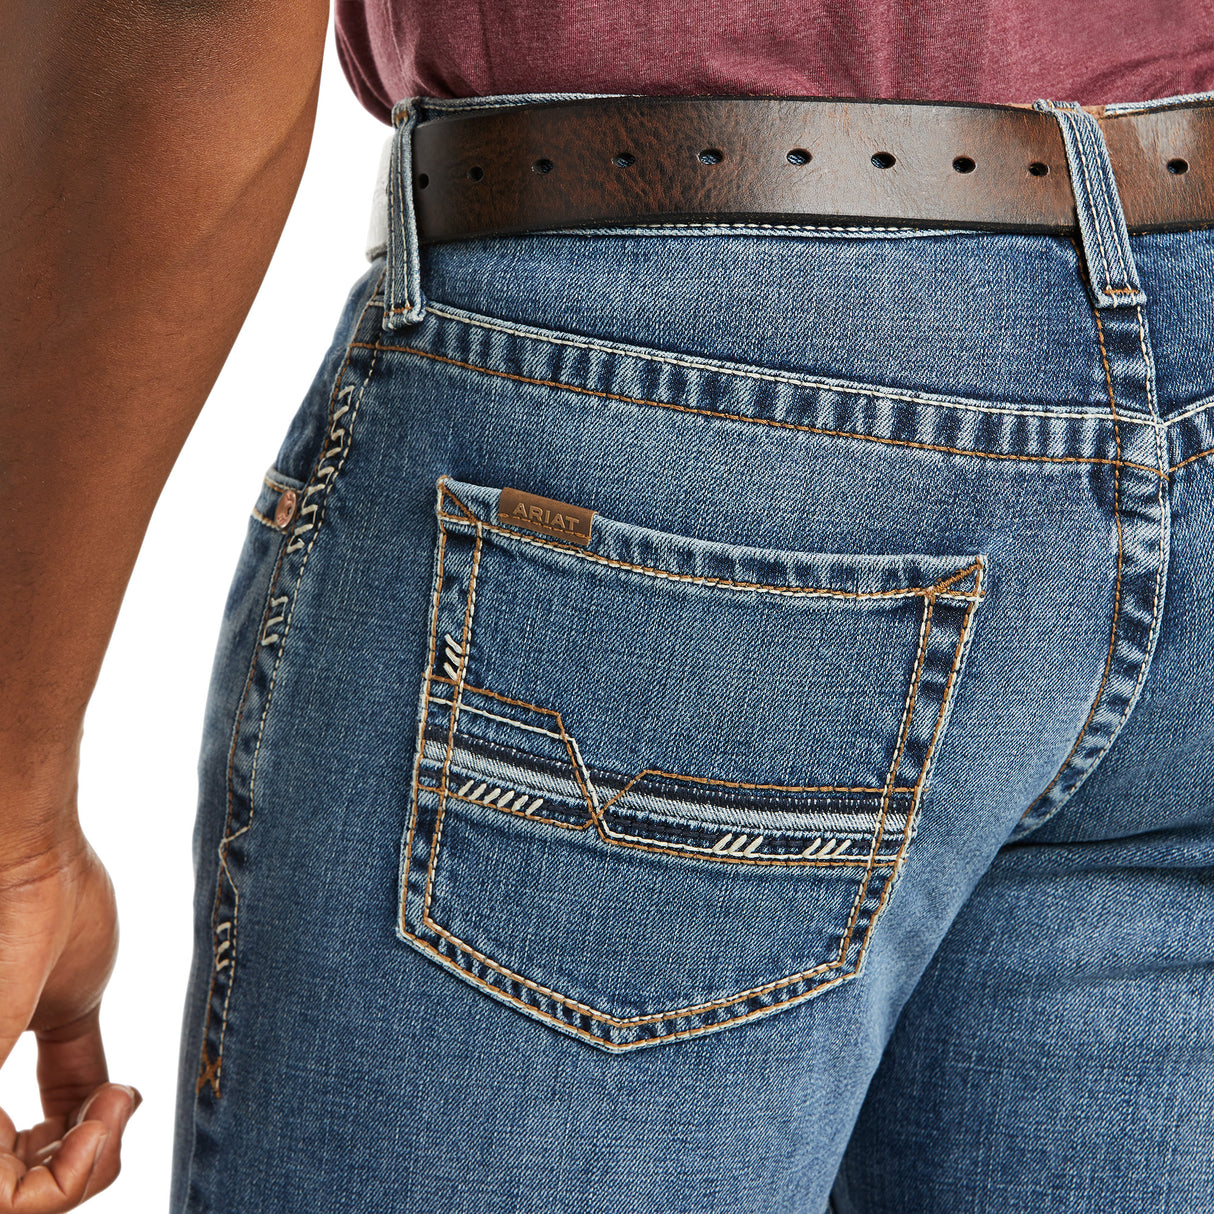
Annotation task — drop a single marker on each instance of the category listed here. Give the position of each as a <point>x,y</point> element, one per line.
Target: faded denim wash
<point>720,719</point>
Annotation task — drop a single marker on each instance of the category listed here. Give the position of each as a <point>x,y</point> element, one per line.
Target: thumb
<point>71,1063</point>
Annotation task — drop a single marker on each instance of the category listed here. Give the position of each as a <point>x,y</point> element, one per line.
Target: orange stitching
<point>647,1018</point>
<point>794,379</point>
<point>210,1072</point>
<point>719,1003</point>
<point>455,707</point>
<point>425,717</point>
<point>907,713</point>
<point>445,489</point>
<point>931,746</point>
<point>839,960</point>
<point>1191,458</point>
<point>620,839</point>
<point>912,699</point>
<point>675,775</point>
<point>1108,663</point>
<point>623,839</point>
<point>605,833</point>
<point>763,421</point>
<point>497,695</point>
<point>873,862</point>
<point>975,568</point>
<point>790,860</point>
<point>804,591</point>
<point>1161,455</point>
<point>428,947</point>
<point>574,761</point>
<point>509,809</point>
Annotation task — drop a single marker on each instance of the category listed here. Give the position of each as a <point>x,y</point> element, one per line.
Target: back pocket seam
<point>468,959</point>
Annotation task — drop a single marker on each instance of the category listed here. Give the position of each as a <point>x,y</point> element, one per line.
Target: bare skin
<point>149,153</point>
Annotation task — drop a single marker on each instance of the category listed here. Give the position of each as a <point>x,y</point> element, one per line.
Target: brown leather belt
<point>627,161</point>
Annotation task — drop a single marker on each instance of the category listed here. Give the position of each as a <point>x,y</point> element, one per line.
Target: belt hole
<point>1177,166</point>
<point>423,180</point>
<point>963,164</point>
<point>711,156</point>
<point>624,160</point>
<point>475,173</point>
<point>883,160</point>
<point>542,166</point>
<point>799,156</point>
<point>1038,169</point>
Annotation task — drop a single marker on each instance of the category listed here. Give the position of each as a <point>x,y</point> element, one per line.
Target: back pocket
<point>663,785</point>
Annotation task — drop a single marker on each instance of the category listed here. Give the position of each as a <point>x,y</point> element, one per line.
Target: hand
<point>58,943</point>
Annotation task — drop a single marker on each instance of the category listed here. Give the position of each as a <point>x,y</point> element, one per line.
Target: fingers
<point>64,1160</point>
<point>71,1063</point>
<point>114,1105</point>
<point>58,1183</point>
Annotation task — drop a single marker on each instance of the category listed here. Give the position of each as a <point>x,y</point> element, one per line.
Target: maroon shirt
<point>1091,51</point>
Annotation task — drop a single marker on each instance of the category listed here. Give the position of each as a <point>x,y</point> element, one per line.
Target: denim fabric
<point>727,726</point>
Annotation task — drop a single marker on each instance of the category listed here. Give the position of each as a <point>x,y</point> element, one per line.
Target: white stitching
<point>646,229</point>
<point>498,717</point>
<point>1192,411</point>
<point>223,1025</point>
<point>1099,152</point>
<point>767,377</point>
<point>1161,456</point>
<point>1087,185</point>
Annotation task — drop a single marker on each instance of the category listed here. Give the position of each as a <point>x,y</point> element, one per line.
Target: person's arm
<point>149,153</point>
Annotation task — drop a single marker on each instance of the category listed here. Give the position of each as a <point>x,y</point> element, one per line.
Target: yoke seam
<point>739,417</point>
<point>869,391</point>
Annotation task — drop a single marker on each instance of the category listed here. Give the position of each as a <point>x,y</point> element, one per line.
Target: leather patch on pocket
<point>545,514</point>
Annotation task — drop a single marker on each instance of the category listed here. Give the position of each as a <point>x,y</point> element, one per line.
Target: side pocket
<point>663,785</point>
<point>286,520</point>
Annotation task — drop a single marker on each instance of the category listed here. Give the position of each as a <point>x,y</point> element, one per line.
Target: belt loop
<point>1112,274</point>
<point>404,303</point>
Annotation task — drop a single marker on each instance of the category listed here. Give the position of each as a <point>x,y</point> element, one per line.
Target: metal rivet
<point>285,510</point>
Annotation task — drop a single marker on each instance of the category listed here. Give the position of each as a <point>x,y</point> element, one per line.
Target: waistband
<point>472,167</point>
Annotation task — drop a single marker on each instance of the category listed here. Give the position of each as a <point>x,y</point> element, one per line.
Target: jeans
<point>721,719</point>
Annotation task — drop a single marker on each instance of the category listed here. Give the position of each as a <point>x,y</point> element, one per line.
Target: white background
<point>142,733</point>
